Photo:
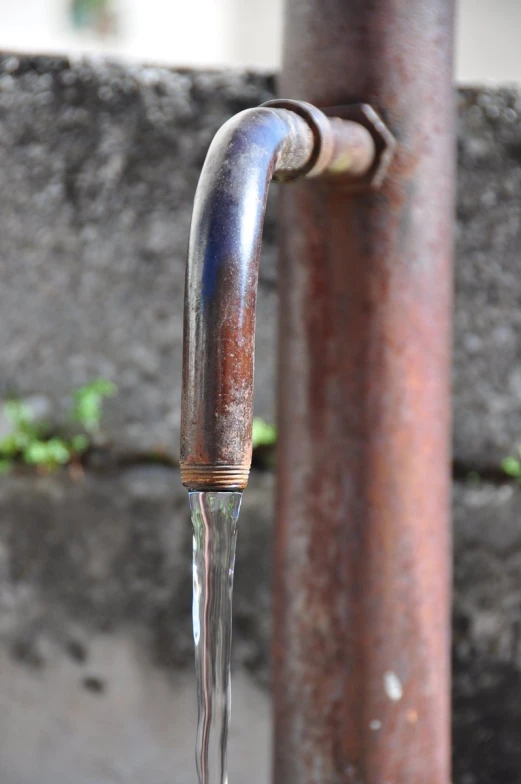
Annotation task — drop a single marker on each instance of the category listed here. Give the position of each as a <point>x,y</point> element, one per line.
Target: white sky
<point>242,32</point>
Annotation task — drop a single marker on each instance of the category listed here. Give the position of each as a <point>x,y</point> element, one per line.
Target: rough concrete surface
<point>114,720</point>
<point>487,366</point>
<point>102,552</point>
<point>98,167</point>
<point>96,682</point>
<point>487,633</point>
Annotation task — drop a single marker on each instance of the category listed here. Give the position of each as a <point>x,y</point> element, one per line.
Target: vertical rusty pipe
<point>362,574</point>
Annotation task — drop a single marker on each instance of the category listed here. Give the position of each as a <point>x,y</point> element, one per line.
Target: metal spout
<point>285,140</point>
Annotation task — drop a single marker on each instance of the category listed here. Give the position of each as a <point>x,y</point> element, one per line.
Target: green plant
<point>100,16</point>
<point>87,403</point>
<point>512,466</point>
<point>263,433</point>
<point>30,440</point>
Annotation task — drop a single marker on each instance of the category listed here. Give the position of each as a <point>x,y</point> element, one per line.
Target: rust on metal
<point>349,141</point>
<point>221,293</point>
<point>354,148</point>
<point>290,140</point>
<point>362,553</point>
<point>362,115</point>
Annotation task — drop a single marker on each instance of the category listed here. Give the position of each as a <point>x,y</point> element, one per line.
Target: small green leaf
<point>58,451</point>
<point>31,441</point>
<point>18,414</point>
<point>263,433</point>
<point>36,453</point>
<point>5,466</point>
<point>47,453</point>
<point>87,402</point>
<point>511,466</point>
<point>11,445</point>
<point>79,444</point>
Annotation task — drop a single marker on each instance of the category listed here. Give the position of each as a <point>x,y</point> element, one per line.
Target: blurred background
<point>229,32</point>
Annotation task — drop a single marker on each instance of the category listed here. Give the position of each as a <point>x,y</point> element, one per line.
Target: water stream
<point>214,519</point>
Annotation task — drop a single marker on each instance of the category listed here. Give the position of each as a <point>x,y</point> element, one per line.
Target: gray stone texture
<point>487,633</point>
<point>96,675</point>
<point>487,367</point>
<point>115,720</point>
<point>112,550</point>
<point>98,167</point>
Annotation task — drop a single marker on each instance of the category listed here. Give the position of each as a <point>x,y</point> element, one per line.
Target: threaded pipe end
<point>214,477</point>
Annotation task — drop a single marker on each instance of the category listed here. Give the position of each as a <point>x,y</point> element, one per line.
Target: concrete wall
<point>98,166</point>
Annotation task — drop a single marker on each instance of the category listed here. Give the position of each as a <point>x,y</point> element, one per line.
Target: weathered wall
<point>98,166</point>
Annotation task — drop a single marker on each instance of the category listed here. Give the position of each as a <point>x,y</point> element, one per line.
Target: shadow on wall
<point>486,716</point>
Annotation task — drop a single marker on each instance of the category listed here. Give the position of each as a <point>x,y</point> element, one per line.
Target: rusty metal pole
<point>362,575</point>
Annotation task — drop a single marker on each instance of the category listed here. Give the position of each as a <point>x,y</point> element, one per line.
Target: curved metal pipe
<point>222,274</point>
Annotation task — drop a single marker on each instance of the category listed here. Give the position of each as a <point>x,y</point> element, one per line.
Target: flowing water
<point>214,519</point>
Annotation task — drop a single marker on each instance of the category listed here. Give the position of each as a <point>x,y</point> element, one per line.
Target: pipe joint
<point>348,142</point>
